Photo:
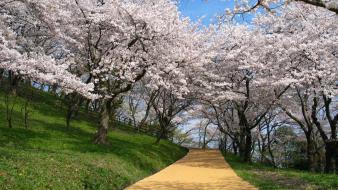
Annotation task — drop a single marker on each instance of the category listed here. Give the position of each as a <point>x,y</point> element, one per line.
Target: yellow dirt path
<point>199,169</point>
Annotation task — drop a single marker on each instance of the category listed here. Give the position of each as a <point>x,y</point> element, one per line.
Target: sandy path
<point>197,170</point>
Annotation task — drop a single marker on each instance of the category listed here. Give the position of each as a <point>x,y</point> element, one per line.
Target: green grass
<point>267,178</point>
<point>47,155</point>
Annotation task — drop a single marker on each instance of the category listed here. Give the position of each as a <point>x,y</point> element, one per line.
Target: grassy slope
<point>49,156</point>
<point>267,178</point>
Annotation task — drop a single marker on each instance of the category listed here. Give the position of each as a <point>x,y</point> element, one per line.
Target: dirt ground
<point>199,169</point>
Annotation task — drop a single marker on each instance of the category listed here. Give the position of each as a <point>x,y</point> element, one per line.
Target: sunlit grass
<point>267,178</point>
<point>47,155</point>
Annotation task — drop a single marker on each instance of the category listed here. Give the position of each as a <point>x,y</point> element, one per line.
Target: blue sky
<point>206,9</point>
<point>196,9</point>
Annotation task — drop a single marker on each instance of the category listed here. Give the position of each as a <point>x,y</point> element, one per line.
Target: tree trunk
<point>159,136</point>
<point>330,156</point>
<point>163,133</point>
<point>271,155</point>
<point>310,153</point>
<point>245,144</point>
<point>9,110</point>
<point>241,145</point>
<point>337,159</point>
<point>101,134</point>
<point>87,106</point>
<point>262,149</point>
<point>199,138</point>
<point>12,91</point>
<point>73,102</point>
<point>28,98</point>
<point>144,119</point>
<point>69,117</point>
<point>223,144</point>
<point>234,147</point>
<point>9,121</point>
<point>1,74</point>
<point>248,146</point>
<point>26,114</point>
<point>204,145</point>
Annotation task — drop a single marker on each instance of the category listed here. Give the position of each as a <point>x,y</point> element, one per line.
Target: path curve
<point>198,170</point>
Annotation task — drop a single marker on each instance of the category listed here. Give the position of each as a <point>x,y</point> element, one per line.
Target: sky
<point>196,9</point>
<point>206,9</point>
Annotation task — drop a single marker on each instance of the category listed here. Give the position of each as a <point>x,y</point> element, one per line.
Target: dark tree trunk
<point>310,153</point>
<point>245,144</point>
<point>73,105</point>
<point>26,114</point>
<point>87,106</point>
<point>10,108</point>
<point>8,113</point>
<point>159,136</point>
<point>331,149</point>
<point>158,139</point>
<point>271,155</point>
<point>28,98</point>
<point>69,116</point>
<point>143,121</point>
<point>331,145</point>
<point>248,146</point>
<point>163,132</point>
<point>261,146</point>
<point>204,145</point>
<point>223,144</point>
<point>101,134</point>
<point>234,147</point>
<point>78,103</point>
<point>9,121</point>
<point>147,111</point>
<point>12,91</point>
<point>269,143</point>
<point>337,159</point>
<point>241,145</point>
<point>1,74</point>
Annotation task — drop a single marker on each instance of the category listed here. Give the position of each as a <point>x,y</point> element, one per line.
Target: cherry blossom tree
<point>117,43</point>
<point>36,64</point>
<point>255,66</point>
<point>145,52</point>
<point>328,131</point>
<point>240,74</point>
<point>28,54</point>
<point>245,6</point>
<point>310,63</point>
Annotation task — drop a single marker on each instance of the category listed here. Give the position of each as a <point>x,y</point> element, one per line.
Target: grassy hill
<point>47,155</point>
<point>267,178</point>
